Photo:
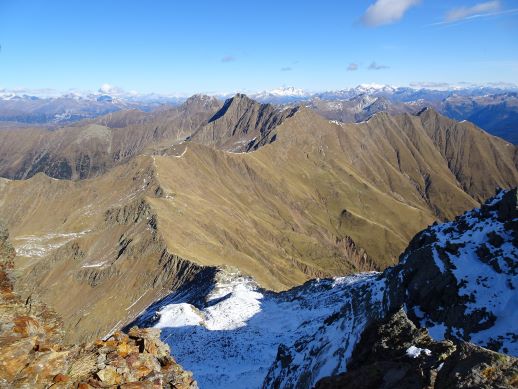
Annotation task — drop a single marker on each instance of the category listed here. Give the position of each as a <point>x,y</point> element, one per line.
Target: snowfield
<point>232,341</point>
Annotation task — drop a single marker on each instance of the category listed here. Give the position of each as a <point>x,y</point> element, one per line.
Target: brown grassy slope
<point>304,206</point>
<point>478,160</point>
<point>90,248</point>
<point>91,147</point>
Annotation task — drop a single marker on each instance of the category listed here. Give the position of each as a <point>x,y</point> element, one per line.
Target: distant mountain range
<point>493,108</point>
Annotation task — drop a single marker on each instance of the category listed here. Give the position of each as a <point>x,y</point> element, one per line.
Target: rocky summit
<point>33,354</point>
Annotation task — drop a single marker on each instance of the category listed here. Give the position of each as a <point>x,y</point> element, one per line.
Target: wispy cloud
<point>286,69</point>
<point>477,9</point>
<point>377,66</point>
<point>352,67</point>
<point>228,58</point>
<point>387,11</point>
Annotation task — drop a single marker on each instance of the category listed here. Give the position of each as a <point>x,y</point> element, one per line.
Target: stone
<point>33,353</point>
<point>109,376</point>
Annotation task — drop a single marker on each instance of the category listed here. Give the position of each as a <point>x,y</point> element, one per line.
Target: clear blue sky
<point>224,46</point>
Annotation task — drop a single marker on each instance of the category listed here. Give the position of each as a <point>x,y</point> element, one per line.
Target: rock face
<point>34,355</point>
<point>460,277</point>
<point>242,124</point>
<point>394,353</point>
<point>456,283</point>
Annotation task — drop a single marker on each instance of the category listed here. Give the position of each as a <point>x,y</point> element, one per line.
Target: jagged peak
<point>430,112</point>
<point>243,99</point>
<point>239,101</point>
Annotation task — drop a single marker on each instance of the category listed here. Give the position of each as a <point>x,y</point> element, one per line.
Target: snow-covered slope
<point>458,279</point>
<point>230,336</point>
<point>281,95</point>
<point>462,276</point>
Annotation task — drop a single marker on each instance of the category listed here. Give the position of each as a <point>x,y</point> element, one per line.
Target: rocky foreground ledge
<point>33,354</point>
<point>394,353</point>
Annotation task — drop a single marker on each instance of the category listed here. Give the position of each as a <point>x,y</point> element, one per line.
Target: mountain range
<point>493,108</point>
<point>211,220</point>
<point>304,204</point>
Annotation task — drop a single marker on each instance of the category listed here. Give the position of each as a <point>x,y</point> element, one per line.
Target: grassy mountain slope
<point>91,147</point>
<point>322,199</point>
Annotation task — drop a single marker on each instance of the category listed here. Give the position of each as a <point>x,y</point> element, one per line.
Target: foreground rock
<point>459,279</point>
<point>396,354</point>
<point>456,282</point>
<point>34,356</point>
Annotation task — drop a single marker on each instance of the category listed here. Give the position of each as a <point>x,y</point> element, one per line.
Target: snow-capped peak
<point>373,87</point>
<point>288,91</point>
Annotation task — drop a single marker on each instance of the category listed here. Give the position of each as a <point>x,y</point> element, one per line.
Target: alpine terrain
<point>259,195</point>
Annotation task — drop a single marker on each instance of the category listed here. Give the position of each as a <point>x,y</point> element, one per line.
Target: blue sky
<point>224,46</point>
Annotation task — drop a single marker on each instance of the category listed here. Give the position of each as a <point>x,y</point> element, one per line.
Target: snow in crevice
<point>416,352</point>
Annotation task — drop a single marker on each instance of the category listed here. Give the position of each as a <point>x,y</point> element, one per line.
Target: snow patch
<point>41,245</point>
<point>415,352</point>
<point>240,326</point>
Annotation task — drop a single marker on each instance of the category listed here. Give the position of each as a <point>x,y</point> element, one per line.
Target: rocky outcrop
<point>242,124</point>
<point>437,319</point>
<point>394,353</point>
<point>459,278</point>
<point>34,355</point>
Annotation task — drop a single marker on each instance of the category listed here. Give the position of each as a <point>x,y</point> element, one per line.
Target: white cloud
<point>352,67</point>
<point>387,11</point>
<point>475,10</point>
<point>109,89</point>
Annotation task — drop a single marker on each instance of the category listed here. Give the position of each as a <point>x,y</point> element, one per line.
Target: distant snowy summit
<point>284,93</point>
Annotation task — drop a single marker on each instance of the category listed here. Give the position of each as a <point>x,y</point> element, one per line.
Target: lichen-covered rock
<point>394,353</point>
<point>33,354</point>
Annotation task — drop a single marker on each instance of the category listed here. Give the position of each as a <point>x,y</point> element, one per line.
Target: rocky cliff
<point>394,353</point>
<point>456,283</point>
<point>34,355</point>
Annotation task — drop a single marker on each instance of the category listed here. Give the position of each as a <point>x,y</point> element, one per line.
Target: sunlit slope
<point>322,199</point>
<point>90,248</point>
